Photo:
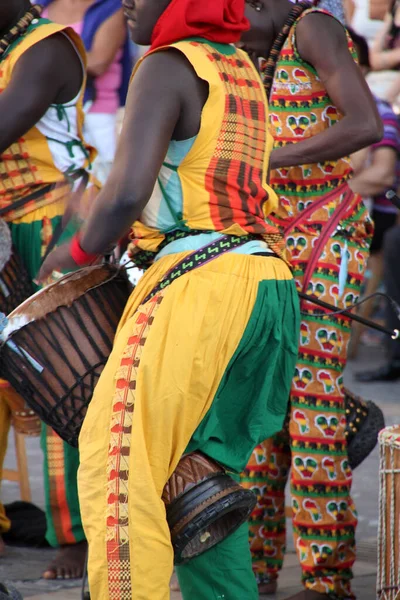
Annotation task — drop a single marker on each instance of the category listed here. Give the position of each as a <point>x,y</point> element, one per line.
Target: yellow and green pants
<point>31,235</point>
<point>206,364</point>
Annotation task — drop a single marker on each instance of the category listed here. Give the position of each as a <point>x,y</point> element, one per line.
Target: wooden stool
<point>21,474</point>
<point>25,423</point>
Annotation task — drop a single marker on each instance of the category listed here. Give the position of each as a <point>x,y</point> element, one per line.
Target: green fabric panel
<point>71,465</point>
<point>251,402</point>
<point>227,49</point>
<point>223,573</point>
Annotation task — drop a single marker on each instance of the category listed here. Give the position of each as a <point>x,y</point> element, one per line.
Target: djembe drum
<point>15,283</point>
<point>57,342</point>
<point>388,580</point>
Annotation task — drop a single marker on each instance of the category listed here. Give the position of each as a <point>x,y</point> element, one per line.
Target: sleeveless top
<point>54,148</point>
<point>216,182</point>
<point>300,107</point>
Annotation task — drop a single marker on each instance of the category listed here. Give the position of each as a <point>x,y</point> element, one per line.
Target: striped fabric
<point>223,175</point>
<point>391,139</point>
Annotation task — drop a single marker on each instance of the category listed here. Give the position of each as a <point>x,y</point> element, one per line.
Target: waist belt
<point>200,257</point>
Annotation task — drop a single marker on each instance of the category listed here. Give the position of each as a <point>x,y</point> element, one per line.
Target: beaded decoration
<point>19,29</point>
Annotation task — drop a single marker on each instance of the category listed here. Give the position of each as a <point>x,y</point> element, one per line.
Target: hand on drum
<point>59,259</point>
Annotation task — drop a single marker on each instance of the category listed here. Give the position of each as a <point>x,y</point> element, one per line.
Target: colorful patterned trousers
<point>313,446</point>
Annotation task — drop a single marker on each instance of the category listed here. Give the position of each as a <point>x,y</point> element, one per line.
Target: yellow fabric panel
<point>50,211</point>
<point>203,148</point>
<point>167,362</point>
<point>29,159</point>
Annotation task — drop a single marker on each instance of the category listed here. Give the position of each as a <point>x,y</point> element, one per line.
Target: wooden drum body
<point>57,343</point>
<point>15,283</point>
<point>388,581</point>
<point>23,418</point>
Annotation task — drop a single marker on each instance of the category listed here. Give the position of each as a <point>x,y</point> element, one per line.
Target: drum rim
<point>109,271</point>
<point>390,436</point>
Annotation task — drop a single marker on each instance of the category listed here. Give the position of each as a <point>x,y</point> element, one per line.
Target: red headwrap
<point>220,21</point>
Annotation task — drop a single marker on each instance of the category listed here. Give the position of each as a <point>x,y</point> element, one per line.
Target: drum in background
<point>23,419</point>
<point>57,342</point>
<point>388,580</point>
<point>15,283</point>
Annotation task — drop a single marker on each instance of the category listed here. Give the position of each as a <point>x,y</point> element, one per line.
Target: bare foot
<point>268,589</point>
<point>69,562</point>
<point>174,585</point>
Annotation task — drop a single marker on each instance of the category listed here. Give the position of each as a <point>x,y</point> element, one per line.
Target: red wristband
<point>78,255</point>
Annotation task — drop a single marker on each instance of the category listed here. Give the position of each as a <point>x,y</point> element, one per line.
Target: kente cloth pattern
<point>223,175</point>
<point>220,21</point>
<point>328,232</point>
<point>27,166</point>
<point>181,361</point>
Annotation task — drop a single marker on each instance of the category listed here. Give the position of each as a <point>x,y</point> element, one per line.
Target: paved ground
<point>23,567</point>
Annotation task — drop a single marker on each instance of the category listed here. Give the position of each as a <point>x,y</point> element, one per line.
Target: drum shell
<point>23,419</point>
<point>15,284</point>
<point>55,361</point>
<point>389,518</point>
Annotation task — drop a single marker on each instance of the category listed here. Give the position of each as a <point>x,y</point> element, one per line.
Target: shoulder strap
<point>269,72</point>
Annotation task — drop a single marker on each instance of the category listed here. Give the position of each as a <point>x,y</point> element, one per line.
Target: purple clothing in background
<point>96,14</point>
<point>391,139</point>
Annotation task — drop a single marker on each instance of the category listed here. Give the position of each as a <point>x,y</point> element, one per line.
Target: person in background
<point>102,26</point>
<point>376,170</point>
<point>385,57</point>
<point>321,111</point>
<point>42,82</point>
<point>391,279</point>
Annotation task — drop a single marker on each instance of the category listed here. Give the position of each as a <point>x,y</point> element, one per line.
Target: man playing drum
<point>42,79</point>
<point>202,362</point>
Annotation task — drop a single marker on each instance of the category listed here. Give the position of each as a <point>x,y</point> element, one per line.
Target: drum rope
<point>388,590</point>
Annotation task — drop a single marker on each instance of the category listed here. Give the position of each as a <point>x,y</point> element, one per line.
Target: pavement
<point>23,567</point>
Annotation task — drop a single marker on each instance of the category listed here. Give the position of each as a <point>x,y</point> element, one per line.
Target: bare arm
<point>380,58</point>
<point>359,160</point>
<point>147,131</point>
<point>50,72</point>
<point>349,8</point>
<point>379,176</point>
<point>108,40</point>
<point>394,90</point>
<point>322,42</point>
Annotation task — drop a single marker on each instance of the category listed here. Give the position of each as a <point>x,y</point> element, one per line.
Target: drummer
<point>205,363</point>
<point>42,80</point>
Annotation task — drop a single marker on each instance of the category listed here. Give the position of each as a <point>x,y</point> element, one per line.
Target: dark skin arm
<point>164,102</point>
<point>321,42</point>
<point>108,40</point>
<point>378,176</point>
<point>50,72</point>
